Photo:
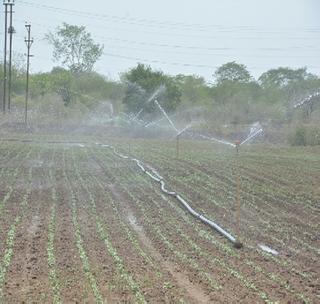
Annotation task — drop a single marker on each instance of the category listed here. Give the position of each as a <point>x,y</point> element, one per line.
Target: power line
<point>111,18</point>
<point>187,47</point>
<point>138,59</point>
<point>118,19</point>
<point>111,46</point>
<point>150,22</point>
<point>144,60</point>
<point>158,61</point>
<point>164,45</point>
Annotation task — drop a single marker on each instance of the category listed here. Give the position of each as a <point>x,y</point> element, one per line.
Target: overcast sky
<point>180,36</point>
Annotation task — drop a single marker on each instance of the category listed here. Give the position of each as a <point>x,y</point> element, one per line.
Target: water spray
<point>255,131</point>
<point>157,92</point>
<point>166,115</point>
<point>152,173</point>
<point>306,100</point>
<point>178,133</point>
<point>156,122</point>
<point>220,141</point>
<point>137,115</point>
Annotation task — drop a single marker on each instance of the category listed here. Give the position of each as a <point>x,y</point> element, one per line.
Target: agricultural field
<point>80,224</point>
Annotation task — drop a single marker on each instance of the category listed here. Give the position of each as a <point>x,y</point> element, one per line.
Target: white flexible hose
<point>157,177</point>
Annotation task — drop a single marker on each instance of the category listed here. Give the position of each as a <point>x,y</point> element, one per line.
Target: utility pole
<point>4,100</point>
<point>11,31</point>
<point>28,42</point>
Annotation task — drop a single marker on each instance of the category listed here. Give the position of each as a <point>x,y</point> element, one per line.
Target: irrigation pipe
<point>154,175</point>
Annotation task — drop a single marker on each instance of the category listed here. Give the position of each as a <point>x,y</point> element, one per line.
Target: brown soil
<point>136,243</point>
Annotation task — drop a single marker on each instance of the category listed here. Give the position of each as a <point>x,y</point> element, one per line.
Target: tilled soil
<point>118,239</point>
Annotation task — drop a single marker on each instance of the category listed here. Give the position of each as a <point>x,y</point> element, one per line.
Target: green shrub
<point>313,137</point>
<point>305,136</point>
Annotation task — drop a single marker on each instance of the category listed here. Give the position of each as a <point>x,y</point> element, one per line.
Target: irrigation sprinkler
<point>254,132</point>
<point>256,129</point>
<point>166,115</point>
<point>151,98</point>
<point>178,133</point>
<point>178,139</point>
<point>238,199</point>
<point>237,144</point>
<point>251,136</point>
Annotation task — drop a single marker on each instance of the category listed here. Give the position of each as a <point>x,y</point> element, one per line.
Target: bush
<point>305,136</point>
<point>313,137</point>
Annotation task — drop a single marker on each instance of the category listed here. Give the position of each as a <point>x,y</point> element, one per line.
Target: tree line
<point>232,97</point>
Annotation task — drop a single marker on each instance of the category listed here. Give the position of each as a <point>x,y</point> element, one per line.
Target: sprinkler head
<point>237,143</point>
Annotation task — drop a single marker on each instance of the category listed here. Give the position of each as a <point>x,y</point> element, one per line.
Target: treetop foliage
<point>282,76</point>
<point>234,97</point>
<point>233,72</point>
<point>142,82</point>
<point>74,47</point>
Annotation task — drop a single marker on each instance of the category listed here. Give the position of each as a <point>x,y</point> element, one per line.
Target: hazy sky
<point>180,36</point>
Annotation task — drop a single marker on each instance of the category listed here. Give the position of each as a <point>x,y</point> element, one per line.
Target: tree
<point>194,90</point>
<point>74,46</point>
<point>281,77</point>
<point>40,84</point>
<point>289,86</point>
<point>142,82</point>
<point>233,72</point>
<point>18,74</point>
<point>236,93</point>
<point>61,83</point>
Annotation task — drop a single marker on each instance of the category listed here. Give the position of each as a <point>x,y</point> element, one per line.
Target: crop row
<point>53,274</point>
<point>183,257</point>
<point>275,278</point>
<point>11,235</point>
<point>78,238</point>
<point>103,233</point>
<point>224,192</point>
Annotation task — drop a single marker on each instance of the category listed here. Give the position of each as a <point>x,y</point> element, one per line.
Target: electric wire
<point>149,22</point>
